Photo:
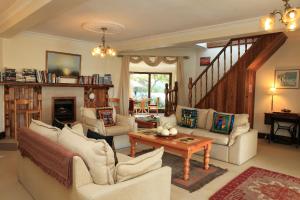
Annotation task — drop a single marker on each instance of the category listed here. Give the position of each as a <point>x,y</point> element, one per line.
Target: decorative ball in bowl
<point>165,132</point>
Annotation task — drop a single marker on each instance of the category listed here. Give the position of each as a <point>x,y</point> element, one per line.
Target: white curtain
<point>180,80</point>
<point>124,86</point>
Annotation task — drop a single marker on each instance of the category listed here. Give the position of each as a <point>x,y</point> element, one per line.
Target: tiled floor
<point>276,157</point>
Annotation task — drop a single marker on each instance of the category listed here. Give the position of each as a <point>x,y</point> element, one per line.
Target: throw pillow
<point>97,154</point>
<point>45,130</point>
<point>106,114</point>
<point>138,166</point>
<point>78,128</point>
<point>222,123</point>
<point>108,139</point>
<point>189,118</point>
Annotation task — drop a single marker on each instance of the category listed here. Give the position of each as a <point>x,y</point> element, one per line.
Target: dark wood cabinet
<point>275,119</point>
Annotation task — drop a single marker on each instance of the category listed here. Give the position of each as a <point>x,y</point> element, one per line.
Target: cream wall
<point>287,57</point>
<point>29,50</point>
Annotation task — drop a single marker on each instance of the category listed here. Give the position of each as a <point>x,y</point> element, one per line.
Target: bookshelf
<point>55,85</point>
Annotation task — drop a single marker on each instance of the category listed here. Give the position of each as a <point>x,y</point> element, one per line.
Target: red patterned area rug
<point>256,183</point>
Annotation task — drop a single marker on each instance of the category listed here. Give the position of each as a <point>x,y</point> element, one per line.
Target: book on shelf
<point>10,74</point>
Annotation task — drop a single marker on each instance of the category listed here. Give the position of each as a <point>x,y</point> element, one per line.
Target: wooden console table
<point>292,118</point>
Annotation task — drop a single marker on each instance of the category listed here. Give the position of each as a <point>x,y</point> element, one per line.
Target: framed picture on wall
<point>204,61</point>
<point>287,79</point>
<point>63,64</point>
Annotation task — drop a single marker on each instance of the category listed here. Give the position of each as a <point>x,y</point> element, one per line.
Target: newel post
<point>190,91</point>
<point>166,100</point>
<point>176,96</point>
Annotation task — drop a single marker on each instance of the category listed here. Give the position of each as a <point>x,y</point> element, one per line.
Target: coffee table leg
<point>132,147</point>
<point>186,169</point>
<point>207,149</point>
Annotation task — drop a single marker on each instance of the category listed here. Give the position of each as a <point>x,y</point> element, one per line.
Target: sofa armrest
<point>96,125</point>
<point>81,174</point>
<point>244,147</point>
<point>126,121</point>
<point>153,185</point>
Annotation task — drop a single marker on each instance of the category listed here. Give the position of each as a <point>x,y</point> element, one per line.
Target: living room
<point>216,60</point>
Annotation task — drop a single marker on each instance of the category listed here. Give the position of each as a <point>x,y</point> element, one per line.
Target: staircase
<point>228,83</point>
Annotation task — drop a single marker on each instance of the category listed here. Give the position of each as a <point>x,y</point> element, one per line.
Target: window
<point>149,85</point>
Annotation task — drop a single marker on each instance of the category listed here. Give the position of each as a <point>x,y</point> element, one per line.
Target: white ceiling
<point>150,17</point>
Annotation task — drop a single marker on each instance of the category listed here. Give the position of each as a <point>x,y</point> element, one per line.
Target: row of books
<point>35,76</point>
<point>96,79</point>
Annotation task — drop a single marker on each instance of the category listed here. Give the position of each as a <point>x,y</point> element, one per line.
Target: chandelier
<point>102,50</point>
<point>288,17</point>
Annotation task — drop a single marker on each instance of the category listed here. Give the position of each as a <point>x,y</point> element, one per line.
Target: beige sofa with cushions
<point>132,185</point>
<point>236,148</point>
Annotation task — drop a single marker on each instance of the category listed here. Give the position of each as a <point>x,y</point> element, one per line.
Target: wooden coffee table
<point>181,144</point>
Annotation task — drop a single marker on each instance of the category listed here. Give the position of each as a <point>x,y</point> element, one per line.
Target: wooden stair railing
<point>171,96</point>
<point>218,67</point>
<point>228,83</point>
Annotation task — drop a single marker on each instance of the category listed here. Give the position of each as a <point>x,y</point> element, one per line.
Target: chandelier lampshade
<point>103,50</point>
<point>289,16</point>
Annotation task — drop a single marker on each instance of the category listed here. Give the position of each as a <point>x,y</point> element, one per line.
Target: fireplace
<point>64,109</point>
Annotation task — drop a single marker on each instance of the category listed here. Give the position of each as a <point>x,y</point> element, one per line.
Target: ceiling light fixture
<point>102,50</point>
<point>288,17</point>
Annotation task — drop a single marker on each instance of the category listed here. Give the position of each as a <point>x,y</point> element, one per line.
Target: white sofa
<point>155,184</point>
<point>236,148</point>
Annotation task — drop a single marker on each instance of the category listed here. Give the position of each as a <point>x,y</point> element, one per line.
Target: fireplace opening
<point>64,109</point>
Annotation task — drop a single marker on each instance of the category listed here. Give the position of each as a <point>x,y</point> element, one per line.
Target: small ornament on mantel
<point>285,110</point>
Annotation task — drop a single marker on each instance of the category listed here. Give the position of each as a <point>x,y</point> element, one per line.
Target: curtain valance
<point>153,61</point>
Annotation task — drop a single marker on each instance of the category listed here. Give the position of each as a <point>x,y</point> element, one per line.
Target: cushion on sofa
<point>138,166</point>
<point>209,121</point>
<point>88,112</point>
<point>179,112</point>
<point>222,123</point>
<point>97,154</point>
<point>217,138</point>
<point>45,130</point>
<point>78,128</point>
<point>202,118</point>
<point>189,118</point>
<point>240,119</point>
<point>238,130</point>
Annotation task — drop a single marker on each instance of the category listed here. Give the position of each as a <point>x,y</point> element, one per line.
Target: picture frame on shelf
<point>286,78</point>
<point>63,64</point>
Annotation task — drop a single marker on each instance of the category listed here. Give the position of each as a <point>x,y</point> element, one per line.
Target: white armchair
<point>124,124</point>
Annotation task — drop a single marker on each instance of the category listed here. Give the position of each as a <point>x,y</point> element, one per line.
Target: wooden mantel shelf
<point>54,85</point>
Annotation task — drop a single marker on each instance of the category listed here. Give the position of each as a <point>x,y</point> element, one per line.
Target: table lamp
<point>273,92</point>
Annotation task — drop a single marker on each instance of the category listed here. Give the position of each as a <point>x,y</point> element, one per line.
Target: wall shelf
<point>12,84</point>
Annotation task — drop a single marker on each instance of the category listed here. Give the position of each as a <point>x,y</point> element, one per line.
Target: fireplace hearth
<point>64,109</point>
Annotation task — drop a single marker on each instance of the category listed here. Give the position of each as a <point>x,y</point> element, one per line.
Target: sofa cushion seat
<point>184,130</point>
<point>117,130</point>
<point>217,138</point>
